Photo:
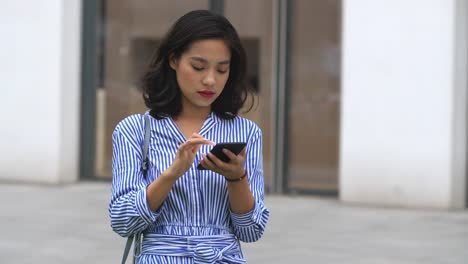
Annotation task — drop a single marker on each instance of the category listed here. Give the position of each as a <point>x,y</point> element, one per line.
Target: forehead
<point>209,49</point>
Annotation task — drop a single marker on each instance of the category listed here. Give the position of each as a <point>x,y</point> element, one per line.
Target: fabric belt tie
<point>203,249</point>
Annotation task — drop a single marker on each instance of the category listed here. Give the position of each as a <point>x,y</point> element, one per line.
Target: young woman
<point>194,88</point>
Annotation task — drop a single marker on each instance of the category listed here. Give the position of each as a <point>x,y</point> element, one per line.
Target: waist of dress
<point>181,229</point>
<point>203,249</point>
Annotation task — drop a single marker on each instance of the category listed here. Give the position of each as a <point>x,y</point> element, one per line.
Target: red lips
<point>206,94</point>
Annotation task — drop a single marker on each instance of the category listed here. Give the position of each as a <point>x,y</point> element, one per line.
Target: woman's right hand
<point>157,191</point>
<point>186,154</point>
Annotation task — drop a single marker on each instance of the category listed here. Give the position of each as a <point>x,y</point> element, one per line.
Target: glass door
<point>131,31</point>
<point>314,95</point>
<point>253,21</point>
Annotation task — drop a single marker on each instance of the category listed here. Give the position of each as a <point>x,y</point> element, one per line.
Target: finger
<point>193,151</point>
<point>229,153</point>
<point>219,163</point>
<point>203,141</point>
<point>243,152</point>
<point>208,164</point>
<point>189,144</point>
<point>196,148</point>
<point>196,135</point>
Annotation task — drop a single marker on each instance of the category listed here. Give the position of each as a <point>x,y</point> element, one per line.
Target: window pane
<point>314,90</point>
<point>253,22</point>
<point>131,30</point>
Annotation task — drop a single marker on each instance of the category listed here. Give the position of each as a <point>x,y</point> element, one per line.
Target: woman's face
<point>202,72</point>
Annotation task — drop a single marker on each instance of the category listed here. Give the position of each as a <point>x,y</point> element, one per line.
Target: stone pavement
<point>69,224</point>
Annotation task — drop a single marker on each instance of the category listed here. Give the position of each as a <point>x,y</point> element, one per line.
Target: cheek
<point>186,77</point>
<point>224,78</point>
<point>189,74</point>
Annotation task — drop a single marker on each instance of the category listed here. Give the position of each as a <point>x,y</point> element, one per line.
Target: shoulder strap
<point>144,168</point>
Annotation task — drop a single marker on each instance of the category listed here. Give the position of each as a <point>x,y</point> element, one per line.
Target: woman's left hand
<point>234,169</point>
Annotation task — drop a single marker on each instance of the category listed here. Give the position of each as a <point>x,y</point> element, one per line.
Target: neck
<point>194,113</point>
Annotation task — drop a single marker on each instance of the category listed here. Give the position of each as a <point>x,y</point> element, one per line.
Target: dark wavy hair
<point>161,92</point>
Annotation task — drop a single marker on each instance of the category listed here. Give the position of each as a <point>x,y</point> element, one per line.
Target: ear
<point>173,62</point>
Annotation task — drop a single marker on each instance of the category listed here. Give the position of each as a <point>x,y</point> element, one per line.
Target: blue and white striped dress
<point>194,223</point>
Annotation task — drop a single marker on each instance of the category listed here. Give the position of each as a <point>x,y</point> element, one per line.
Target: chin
<point>204,104</point>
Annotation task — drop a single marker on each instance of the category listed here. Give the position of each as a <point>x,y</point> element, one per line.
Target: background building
<point>361,99</point>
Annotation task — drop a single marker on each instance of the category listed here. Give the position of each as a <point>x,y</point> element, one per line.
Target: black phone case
<point>234,147</point>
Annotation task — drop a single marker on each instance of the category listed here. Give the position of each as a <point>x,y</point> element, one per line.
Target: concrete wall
<point>403,103</point>
<point>40,73</point>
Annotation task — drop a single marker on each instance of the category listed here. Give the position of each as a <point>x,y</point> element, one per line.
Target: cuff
<point>143,208</point>
<point>258,215</point>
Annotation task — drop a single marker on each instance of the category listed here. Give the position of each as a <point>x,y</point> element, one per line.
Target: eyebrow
<point>205,61</point>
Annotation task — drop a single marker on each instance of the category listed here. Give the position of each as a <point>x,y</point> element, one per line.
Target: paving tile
<point>69,224</point>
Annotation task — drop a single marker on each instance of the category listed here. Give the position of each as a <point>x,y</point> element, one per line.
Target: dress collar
<point>211,120</point>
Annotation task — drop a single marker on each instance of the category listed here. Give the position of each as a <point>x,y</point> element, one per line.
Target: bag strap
<point>145,161</point>
<point>144,168</point>
<point>127,248</point>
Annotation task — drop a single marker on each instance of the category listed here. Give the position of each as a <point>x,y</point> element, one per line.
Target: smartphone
<point>234,147</point>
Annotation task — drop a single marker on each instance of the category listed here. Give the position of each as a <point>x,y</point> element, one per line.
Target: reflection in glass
<point>314,91</point>
<point>130,32</point>
<point>253,22</point>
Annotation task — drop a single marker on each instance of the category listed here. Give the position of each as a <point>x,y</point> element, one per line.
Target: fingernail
<point>224,150</point>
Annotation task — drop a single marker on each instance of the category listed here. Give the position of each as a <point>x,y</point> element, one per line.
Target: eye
<point>223,71</point>
<point>197,68</point>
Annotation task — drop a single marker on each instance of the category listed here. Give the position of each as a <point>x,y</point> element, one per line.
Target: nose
<point>209,79</point>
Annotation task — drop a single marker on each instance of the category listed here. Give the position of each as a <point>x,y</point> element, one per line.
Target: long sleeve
<point>128,209</point>
<point>249,227</point>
